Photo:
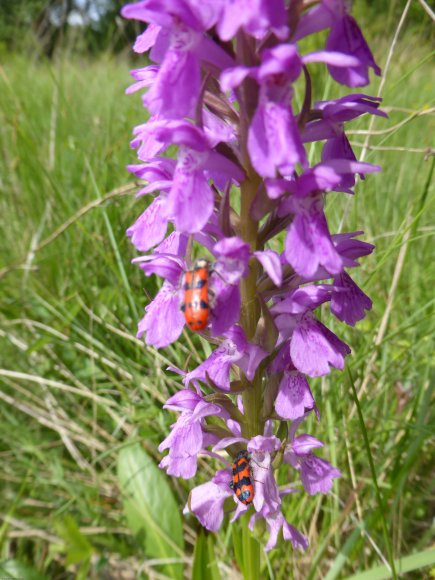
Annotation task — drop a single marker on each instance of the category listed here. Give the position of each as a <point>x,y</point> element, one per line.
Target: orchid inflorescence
<point>222,91</point>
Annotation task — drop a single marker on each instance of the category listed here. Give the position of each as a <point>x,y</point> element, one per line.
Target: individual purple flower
<point>266,497</point>
<point>272,265</point>
<point>317,475</point>
<point>338,147</point>
<point>175,89</point>
<point>275,522</point>
<point>150,227</point>
<point>257,17</point>
<point>235,349</point>
<point>349,302</point>
<point>345,37</point>
<point>190,186</point>
<point>294,396</point>
<point>233,258</point>
<point>313,347</point>
<point>187,437</point>
<point>308,243</point>
<point>350,249</point>
<point>206,501</point>
<point>165,306</point>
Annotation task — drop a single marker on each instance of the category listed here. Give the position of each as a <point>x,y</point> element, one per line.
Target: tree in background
<point>89,25</point>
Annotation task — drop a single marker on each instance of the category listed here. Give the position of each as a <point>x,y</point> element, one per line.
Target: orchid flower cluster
<point>241,192</point>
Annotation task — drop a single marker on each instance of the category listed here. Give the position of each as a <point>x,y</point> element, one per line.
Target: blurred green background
<point>81,397</point>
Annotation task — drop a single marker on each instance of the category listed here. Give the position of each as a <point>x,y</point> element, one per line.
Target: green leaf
<point>407,564</point>
<point>16,569</point>
<point>204,558</point>
<point>151,509</point>
<point>78,547</point>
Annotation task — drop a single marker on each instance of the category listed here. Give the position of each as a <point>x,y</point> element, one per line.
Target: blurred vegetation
<point>91,26</point>
<point>79,392</point>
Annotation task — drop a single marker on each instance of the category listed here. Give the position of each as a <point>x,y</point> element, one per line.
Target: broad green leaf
<point>78,547</point>
<point>15,569</point>
<point>151,509</point>
<point>407,564</point>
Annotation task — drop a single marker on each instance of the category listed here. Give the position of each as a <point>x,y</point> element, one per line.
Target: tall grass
<point>76,385</point>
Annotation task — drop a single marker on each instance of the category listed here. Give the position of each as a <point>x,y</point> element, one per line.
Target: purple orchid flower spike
<point>229,189</point>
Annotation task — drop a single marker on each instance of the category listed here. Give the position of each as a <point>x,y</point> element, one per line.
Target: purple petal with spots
<point>294,396</point>
<point>190,189</point>
<point>317,475</point>
<point>165,307</point>
<point>314,348</point>
<point>175,244</point>
<point>176,89</point>
<point>274,523</point>
<point>308,243</point>
<point>150,228</point>
<point>265,444</point>
<point>226,309</point>
<point>303,299</point>
<point>304,444</point>
<point>266,496</point>
<point>207,500</point>
<point>349,303</point>
<point>147,39</point>
<point>274,143</point>
<point>271,263</point>
<point>233,259</point>
<point>167,266</point>
<point>257,17</point>
<point>345,36</point>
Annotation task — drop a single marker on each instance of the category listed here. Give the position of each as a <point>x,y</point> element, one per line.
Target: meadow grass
<point>77,386</point>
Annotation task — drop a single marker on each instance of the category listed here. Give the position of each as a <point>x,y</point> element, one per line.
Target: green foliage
<point>15,569</point>
<point>151,509</point>
<point>77,386</point>
<point>204,558</point>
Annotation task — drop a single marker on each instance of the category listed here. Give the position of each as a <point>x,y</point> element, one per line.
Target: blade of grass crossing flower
<point>374,477</point>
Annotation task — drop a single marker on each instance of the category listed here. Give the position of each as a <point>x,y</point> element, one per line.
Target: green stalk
<point>251,553</point>
<point>252,397</point>
<point>250,310</point>
<point>381,504</point>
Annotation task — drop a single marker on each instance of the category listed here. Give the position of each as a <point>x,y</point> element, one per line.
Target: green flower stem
<point>250,314</point>
<point>251,553</point>
<point>251,309</point>
<point>252,396</point>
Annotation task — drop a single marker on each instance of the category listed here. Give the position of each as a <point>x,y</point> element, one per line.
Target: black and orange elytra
<point>196,300</point>
<point>242,482</point>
